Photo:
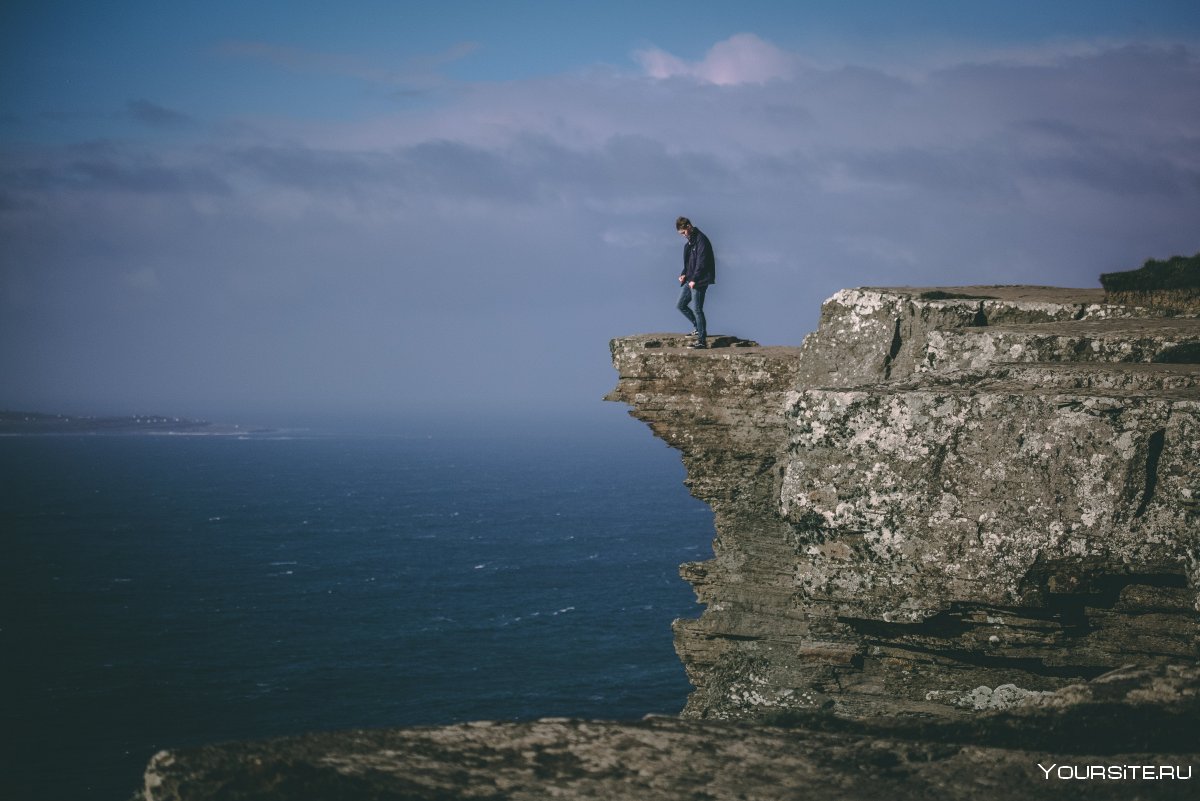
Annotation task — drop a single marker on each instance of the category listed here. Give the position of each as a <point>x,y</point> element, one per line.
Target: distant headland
<point>16,423</point>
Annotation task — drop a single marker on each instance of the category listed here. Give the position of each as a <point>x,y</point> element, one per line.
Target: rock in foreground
<point>1129,734</point>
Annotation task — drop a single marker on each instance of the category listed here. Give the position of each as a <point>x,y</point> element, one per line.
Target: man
<point>699,273</point>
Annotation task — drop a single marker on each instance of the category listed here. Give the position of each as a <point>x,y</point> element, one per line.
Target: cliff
<point>945,500</point>
<point>955,557</point>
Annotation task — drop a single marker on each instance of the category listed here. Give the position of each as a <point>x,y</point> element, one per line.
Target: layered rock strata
<point>941,493</point>
<point>1170,287</point>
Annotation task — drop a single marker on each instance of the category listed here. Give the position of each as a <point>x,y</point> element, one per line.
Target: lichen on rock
<point>943,489</point>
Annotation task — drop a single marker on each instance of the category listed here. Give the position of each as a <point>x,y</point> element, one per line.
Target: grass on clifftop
<point>1177,272</point>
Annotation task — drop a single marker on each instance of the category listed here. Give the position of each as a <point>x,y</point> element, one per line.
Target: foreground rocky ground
<point>1130,734</point>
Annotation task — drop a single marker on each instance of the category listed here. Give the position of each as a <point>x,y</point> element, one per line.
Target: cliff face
<point>945,500</point>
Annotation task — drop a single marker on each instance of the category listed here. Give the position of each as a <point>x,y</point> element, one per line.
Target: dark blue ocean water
<point>166,591</point>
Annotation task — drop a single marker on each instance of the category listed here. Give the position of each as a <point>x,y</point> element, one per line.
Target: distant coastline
<point>15,423</point>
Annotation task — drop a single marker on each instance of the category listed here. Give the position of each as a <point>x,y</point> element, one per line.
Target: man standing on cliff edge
<point>699,272</point>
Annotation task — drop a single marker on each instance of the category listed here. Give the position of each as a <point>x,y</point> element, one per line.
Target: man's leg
<point>685,297</point>
<point>701,323</point>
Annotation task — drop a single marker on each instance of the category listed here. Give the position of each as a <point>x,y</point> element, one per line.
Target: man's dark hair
<point>682,222</point>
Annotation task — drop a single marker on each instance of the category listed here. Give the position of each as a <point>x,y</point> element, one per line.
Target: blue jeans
<point>688,295</point>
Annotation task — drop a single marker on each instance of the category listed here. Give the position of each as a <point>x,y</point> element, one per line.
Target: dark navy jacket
<point>699,261</point>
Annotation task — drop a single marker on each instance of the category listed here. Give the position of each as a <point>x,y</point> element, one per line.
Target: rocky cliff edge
<point>942,493</point>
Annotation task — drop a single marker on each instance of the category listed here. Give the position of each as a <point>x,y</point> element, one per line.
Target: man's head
<point>684,226</point>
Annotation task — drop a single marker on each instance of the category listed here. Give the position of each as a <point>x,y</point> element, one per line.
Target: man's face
<point>685,232</point>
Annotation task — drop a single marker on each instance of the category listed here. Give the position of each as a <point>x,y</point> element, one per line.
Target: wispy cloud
<point>743,58</point>
<point>157,116</point>
<point>416,71</point>
<point>543,209</point>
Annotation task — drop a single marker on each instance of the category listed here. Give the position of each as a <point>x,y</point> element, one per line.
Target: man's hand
<point>681,279</point>
<point>692,284</point>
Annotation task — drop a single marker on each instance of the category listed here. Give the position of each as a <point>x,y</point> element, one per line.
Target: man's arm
<point>701,259</point>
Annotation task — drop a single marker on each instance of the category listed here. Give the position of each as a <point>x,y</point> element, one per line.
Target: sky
<point>400,211</point>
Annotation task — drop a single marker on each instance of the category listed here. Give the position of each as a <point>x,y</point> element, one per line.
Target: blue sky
<point>401,210</point>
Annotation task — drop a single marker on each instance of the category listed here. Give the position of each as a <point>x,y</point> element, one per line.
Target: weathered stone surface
<point>1129,340</point>
<point>942,493</point>
<point>872,334</point>
<point>996,755</point>
<point>1168,301</point>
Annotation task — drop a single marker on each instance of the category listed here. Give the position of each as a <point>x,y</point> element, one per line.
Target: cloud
<point>741,59</point>
<point>1113,124</point>
<point>144,279</point>
<point>314,257</point>
<point>103,167</point>
<point>156,116</point>
<point>418,71</point>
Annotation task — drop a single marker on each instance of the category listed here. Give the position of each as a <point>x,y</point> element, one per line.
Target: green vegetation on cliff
<point>1177,272</point>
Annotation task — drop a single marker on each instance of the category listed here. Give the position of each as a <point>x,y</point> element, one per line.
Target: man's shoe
<point>692,333</point>
<point>698,346</point>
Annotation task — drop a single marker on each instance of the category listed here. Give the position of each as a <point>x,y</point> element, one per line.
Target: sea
<point>168,591</point>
